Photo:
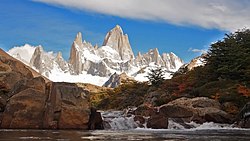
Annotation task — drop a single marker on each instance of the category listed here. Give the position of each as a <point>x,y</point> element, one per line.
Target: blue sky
<point>171,26</point>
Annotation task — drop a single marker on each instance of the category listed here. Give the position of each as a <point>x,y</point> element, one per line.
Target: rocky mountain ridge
<point>115,56</point>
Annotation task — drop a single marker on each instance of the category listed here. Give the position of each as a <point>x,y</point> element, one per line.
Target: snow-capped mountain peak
<point>119,42</point>
<point>95,65</point>
<point>23,53</point>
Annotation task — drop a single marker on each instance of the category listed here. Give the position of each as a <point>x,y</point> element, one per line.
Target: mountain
<point>119,42</point>
<point>93,64</point>
<point>196,62</point>
<point>116,80</point>
<point>23,53</point>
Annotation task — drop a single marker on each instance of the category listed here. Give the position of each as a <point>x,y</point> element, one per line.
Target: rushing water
<point>120,127</point>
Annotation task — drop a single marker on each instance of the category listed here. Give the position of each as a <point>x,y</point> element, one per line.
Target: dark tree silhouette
<point>156,76</point>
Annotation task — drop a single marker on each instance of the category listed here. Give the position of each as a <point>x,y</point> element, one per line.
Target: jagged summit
<point>119,42</point>
<point>78,39</point>
<point>117,28</point>
<point>93,64</point>
<point>59,55</point>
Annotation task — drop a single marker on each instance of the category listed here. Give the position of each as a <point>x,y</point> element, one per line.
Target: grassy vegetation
<point>131,94</point>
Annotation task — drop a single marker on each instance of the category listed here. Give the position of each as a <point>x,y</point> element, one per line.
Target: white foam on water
<point>118,120</point>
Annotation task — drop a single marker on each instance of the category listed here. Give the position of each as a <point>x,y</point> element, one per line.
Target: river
<point>136,134</point>
<point>124,128</point>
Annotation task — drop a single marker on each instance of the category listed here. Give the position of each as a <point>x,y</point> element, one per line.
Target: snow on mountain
<point>110,53</point>
<point>143,72</point>
<point>59,76</point>
<point>88,64</point>
<point>172,61</point>
<point>196,62</point>
<point>22,53</point>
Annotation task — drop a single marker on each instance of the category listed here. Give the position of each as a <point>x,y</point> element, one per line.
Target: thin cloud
<point>197,50</point>
<point>227,15</point>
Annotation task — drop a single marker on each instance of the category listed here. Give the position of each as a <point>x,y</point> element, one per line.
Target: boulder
<point>25,110</point>
<point>28,100</point>
<point>61,106</point>
<point>198,102</point>
<point>181,122</point>
<point>243,118</point>
<point>157,122</point>
<point>95,121</point>
<point>140,120</point>
<point>176,111</point>
<point>200,110</point>
<point>67,105</point>
<point>145,110</point>
<point>151,116</point>
<point>217,116</point>
<point>73,117</point>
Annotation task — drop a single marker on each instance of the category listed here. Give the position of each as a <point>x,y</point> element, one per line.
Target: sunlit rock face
<point>30,101</point>
<point>119,42</point>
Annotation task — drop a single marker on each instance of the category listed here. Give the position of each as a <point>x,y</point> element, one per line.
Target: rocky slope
<point>116,80</point>
<point>196,62</point>
<point>92,64</point>
<point>28,100</point>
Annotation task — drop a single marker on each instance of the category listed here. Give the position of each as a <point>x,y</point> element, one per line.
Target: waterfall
<point>118,120</point>
<point>122,120</point>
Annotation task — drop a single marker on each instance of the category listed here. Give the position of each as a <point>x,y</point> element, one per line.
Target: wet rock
<point>151,116</point>
<point>182,122</point>
<point>95,121</point>
<point>145,110</point>
<point>106,125</point>
<point>176,111</point>
<point>140,120</point>
<point>243,118</point>
<point>157,122</point>
<point>217,116</point>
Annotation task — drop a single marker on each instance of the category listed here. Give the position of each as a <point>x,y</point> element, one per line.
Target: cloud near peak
<point>228,15</point>
<point>195,50</point>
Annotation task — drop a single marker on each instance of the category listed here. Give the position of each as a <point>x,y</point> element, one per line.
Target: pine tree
<point>230,58</point>
<point>156,76</point>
